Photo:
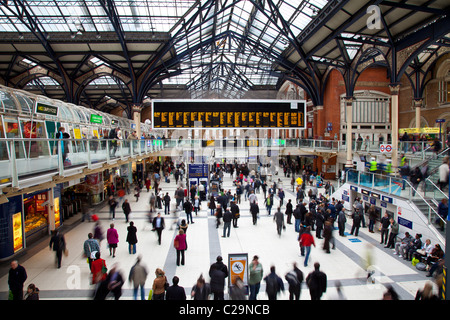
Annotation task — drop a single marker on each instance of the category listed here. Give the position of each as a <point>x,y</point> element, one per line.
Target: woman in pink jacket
<point>113,238</point>
<point>181,245</point>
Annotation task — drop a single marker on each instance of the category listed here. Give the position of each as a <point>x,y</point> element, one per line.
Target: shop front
<point>27,218</point>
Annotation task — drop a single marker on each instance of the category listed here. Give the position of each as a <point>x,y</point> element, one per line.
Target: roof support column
<point>395,88</point>
<point>418,106</point>
<point>348,136</point>
<point>136,116</point>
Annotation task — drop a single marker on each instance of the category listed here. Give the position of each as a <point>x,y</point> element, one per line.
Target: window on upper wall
<point>448,91</point>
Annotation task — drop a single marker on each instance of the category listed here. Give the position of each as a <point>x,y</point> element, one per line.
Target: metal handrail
<point>429,206</point>
<point>436,187</point>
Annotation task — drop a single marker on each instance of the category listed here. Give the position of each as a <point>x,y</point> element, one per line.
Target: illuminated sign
<point>179,113</point>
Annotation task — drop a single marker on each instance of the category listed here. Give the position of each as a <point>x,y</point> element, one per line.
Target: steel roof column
<point>348,140</point>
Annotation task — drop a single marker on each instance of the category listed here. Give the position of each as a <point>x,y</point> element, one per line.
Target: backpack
<point>271,285</point>
<point>292,279</point>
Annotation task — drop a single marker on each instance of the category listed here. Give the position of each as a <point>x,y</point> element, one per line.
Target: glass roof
<point>221,44</point>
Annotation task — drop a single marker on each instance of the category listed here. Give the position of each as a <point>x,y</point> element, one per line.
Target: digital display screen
<point>229,113</point>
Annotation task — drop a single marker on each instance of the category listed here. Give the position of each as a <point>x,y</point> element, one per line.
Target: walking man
<point>317,282</point>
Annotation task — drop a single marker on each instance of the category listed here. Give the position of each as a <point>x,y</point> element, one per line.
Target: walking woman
<point>132,238</point>
<point>212,205</point>
<point>180,245</point>
<point>159,285</point>
<point>112,236</point>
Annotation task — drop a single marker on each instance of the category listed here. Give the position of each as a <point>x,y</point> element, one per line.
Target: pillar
<point>395,88</point>
<point>320,122</point>
<point>418,106</point>
<point>51,210</point>
<point>348,139</point>
<point>136,116</point>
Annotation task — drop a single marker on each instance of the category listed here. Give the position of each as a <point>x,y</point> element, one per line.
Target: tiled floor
<point>205,243</point>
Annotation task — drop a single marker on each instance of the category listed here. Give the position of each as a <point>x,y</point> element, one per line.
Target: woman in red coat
<point>181,245</point>
<point>98,269</point>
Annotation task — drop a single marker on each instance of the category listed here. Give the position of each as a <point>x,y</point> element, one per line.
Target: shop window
<point>36,214</point>
<point>448,92</point>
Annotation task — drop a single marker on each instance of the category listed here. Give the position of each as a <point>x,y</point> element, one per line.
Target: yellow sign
<point>17,231</point>
<point>57,212</point>
<point>238,268</point>
<point>77,133</point>
<point>432,130</point>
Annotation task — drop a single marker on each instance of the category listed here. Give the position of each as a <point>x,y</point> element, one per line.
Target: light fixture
<point>21,35</point>
<point>72,35</point>
<point>98,35</point>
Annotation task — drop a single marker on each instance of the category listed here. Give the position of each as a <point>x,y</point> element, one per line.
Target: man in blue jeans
<point>227,217</point>
<point>305,241</point>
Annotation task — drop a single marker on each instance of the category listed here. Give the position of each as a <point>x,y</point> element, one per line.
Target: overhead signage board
<point>46,109</point>
<point>425,130</point>
<point>179,113</point>
<point>198,170</point>
<point>96,119</point>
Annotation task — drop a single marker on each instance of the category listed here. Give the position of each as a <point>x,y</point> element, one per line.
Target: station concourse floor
<point>346,263</point>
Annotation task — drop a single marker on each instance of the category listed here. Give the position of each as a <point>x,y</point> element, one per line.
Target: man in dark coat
<point>175,292</point>
<point>294,279</point>
<point>289,211</point>
<point>234,208</point>
<point>320,220</point>
<point>356,216</point>
<point>16,279</point>
<point>187,206</point>
<point>279,219</point>
<point>126,209</point>
<point>274,284</point>
<point>158,226</point>
<point>58,243</point>
<point>227,217</point>
<point>341,223</point>
<point>317,282</point>
<point>218,272</point>
<point>166,203</point>
<point>254,210</point>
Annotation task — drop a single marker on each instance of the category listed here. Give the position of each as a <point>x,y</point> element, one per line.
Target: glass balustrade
<point>41,159</point>
<point>422,195</point>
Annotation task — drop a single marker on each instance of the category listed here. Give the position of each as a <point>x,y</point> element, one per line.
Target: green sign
<point>46,109</point>
<point>96,119</point>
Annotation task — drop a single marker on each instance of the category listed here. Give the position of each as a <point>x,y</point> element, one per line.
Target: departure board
<point>179,113</point>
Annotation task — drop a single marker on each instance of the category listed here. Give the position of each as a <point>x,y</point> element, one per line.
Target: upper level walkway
<point>28,162</point>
